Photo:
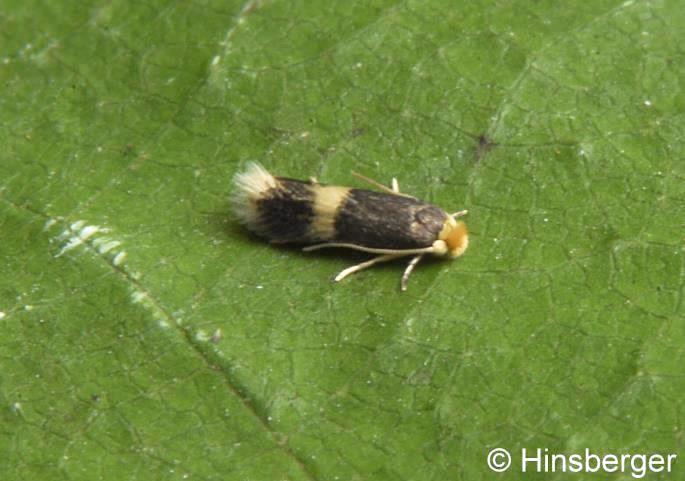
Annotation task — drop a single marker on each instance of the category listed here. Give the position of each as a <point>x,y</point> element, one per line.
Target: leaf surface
<point>147,336</point>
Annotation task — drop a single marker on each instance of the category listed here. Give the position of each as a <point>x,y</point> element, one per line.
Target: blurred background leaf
<point>146,336</point>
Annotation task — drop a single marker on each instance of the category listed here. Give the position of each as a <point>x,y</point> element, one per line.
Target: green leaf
<point>145,335</point>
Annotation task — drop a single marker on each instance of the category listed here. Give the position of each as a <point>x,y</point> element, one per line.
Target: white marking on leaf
<point>88,231</point>
<point>77,225</point>
<point>80,232</point>
<point>108,246</point>
<point>138,297</point>
<point>119,258</point>
<point>49,223</point>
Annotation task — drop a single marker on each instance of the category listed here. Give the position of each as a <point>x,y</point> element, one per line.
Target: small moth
<point>388,223</point>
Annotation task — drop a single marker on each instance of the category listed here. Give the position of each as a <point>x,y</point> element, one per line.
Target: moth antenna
<point>371,250</point>
<point>382,187</point>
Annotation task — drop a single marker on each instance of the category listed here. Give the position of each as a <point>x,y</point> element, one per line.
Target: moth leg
<point>356,268</point>
<point>408,271</point>
<point>460,213</point>
<point>313,180</point>
<point>395,186</point>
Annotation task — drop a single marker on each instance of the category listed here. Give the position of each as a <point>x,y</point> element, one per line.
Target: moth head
<point>453,238</point>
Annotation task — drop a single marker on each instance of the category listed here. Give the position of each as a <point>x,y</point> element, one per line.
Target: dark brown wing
<point>380,220</point>
<point>286,213</point>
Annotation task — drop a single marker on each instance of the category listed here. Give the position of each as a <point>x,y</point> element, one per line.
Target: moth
<point>387,223</point>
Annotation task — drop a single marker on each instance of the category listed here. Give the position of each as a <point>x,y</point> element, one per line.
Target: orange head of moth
<point>453,239</point>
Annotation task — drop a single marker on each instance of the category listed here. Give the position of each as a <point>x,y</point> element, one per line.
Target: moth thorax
<point>456,236</point>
